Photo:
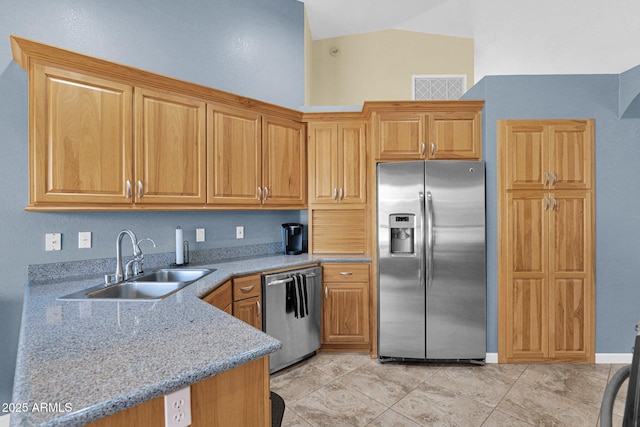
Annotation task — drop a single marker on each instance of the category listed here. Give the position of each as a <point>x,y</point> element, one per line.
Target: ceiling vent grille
<point>438,87</point>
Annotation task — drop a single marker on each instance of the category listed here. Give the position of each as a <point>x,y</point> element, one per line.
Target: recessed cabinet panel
<point>454,135</point>
<point>170,148</point>
<point>234,156</point>
<point>81,145</point>
<point>400,135</point>
<point>284,162</point>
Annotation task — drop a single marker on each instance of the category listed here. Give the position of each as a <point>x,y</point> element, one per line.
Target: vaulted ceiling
<point>336,18</point>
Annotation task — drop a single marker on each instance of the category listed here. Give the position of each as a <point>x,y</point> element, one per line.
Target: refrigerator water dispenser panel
<point>402,228</point>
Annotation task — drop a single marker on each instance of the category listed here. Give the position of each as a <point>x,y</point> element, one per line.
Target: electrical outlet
<point>240,232</point>
<point>84,239</point>
<point>177,408</point>
<point>52,241</point>
<point>200,235</point>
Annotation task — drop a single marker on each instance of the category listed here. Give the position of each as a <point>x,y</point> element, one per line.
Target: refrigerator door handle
<point>430,241</point>
<point>421,239</point>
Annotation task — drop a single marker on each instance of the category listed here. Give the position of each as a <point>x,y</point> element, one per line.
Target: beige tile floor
<point>337,389</point>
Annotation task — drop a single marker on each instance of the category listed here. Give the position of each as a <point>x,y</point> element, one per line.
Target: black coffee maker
<point>292,238</point>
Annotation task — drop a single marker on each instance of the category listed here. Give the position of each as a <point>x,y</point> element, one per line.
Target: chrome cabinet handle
<point>555,204</point>
<point>335,194</point>
<point>259,194</point>
<point>554,178</point>
<point>326,292</point>
<point>546,178</point>
<point>247,288</point>
<point>139,189</point>
<point>346,273</point>
<point>259,308</point>
<point>546,207</point>
<point>433,147</point>
<point>423,148</point>
<point>341,195</point>
<point>266,193</point>
<point>128,189</point>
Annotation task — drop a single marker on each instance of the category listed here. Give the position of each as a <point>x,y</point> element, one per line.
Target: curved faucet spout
<point>136,252</point>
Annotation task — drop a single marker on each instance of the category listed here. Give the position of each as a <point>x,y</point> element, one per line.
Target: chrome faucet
<point>133,267</point>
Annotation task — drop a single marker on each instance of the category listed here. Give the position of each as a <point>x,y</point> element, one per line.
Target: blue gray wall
<point>249,47</point>
<point>617,146</point>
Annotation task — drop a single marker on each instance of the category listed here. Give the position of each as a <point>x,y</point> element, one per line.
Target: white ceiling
<point>336,18</point>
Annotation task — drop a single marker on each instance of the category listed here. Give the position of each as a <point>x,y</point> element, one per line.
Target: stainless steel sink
<point>174,275</point>
<point>157,285</point>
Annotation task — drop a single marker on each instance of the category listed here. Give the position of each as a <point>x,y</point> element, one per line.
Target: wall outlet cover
<point>240,232</point>
<point>177,408</point>
<point>53,241</point>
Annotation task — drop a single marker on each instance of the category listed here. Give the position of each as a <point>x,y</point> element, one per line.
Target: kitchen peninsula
<point>82,361</point>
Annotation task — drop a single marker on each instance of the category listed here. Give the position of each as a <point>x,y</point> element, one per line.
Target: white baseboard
<point>4,421</point>
<point>610,358</point>
<point>491,358</point>
<point>614,358</point>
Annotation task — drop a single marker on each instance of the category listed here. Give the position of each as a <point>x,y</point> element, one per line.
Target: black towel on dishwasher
<point>291,297</point>
<point>296,298</point>
<point>303,280</point>
<point>298,278</point>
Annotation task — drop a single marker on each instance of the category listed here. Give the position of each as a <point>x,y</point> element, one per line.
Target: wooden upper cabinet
<point>234,155</point>
<point>431,130</point>
<point>455,135</point>
<point>284,162</point>
<point>337,163</point>
<point>547,154</point>
<point>401,135</point>
<point>170,148</point>
<point>80,139</point>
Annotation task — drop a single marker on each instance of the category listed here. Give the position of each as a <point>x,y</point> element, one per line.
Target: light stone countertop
<point>85,360</point>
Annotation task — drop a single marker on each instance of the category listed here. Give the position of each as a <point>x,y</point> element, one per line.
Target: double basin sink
<point>157,285</point>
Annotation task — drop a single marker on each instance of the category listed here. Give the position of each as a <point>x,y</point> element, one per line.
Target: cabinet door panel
<point>170,148</point>
<point>527,218</point>
<point>249,310</point>
<point>234,155</point>
<point>352,158</point>
<point>346,313</point>
<point>527,307</point>
<point>526,155</point>
<point>571,160</point>
<point>323,163</point>
<point>400,135</point>
<point>81,144</point>
<point>455,135</point>
<point>284,161</point>
<point>568,304</point>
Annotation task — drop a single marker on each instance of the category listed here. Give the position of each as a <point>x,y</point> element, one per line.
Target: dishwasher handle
<point>288,279</point>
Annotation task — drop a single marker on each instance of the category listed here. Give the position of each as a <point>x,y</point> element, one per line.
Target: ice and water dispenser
<point>402,228</point>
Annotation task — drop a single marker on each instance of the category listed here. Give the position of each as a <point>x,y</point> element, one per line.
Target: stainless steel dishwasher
<point>291,313</point>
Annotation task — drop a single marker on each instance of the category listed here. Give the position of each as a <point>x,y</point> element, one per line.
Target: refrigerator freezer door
<point>456,293</point>
<point>401,285</point>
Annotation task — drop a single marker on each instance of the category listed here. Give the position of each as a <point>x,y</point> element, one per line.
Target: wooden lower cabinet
<point>239,397</point>
<point>345,312</point>
<point>247,299</point>
<point>222,297</point>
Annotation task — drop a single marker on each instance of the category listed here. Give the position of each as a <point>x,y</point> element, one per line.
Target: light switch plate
<point>53,241</point>
<point>84,239</point>
<point>200,235</point>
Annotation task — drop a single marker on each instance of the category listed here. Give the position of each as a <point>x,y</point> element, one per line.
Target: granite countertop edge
<point>189,297</point>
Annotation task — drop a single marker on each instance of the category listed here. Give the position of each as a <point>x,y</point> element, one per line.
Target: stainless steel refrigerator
<point>431,261</point>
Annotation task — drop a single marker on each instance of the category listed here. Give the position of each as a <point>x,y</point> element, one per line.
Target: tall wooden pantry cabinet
<point>546,251</point>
